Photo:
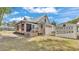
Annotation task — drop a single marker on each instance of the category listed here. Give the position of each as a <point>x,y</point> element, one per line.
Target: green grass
<point>39,43</point>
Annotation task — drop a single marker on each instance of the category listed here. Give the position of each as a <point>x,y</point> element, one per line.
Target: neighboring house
<point>40,26</point>
<point>67,30</point>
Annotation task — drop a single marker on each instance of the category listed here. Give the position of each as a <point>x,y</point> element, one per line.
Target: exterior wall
<point>48,30</point>
<point>53,28</point>
<point>22,31</point>
<point>19,28</point>
<point>68,31</point>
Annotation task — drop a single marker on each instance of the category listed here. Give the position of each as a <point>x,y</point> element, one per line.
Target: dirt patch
<point>14,42</point>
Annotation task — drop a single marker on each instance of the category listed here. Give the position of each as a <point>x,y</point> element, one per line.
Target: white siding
<point>48,30</point>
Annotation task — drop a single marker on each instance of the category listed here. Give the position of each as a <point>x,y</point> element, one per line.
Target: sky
<point>57,14</point>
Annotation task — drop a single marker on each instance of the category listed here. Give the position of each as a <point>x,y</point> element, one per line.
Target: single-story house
<point>33,27</point>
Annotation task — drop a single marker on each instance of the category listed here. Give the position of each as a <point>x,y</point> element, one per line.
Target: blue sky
<point>58,14</point>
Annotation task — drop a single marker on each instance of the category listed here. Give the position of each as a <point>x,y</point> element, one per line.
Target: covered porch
<point>30,28</point>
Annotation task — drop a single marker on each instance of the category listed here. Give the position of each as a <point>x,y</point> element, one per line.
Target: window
<point>45,20</point>
<point>28,29</point>
<point>72,31</point>
<point>41,26</point>
<point>22,27</point>
<point>64,25</point>
<point>71,27</point>
<point>33,26</point>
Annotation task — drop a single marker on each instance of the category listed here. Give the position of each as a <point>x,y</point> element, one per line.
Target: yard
<point>15,42</point>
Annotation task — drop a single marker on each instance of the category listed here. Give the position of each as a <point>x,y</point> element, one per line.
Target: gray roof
<point>37,20</point>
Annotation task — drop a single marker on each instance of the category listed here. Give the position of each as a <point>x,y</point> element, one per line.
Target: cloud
<point>51,17</point>
<point>66,19</point>
<point>28,17</point>
<point>74,8</point>
<point>63,19</point>
<point>70,12</point>
<point>41,9</point>
<point>16,19</point>
<point>14,13</point>
<point>19,18</point>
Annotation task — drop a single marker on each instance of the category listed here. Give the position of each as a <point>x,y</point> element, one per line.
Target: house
<point>39,26</point>
<point>67,30</point>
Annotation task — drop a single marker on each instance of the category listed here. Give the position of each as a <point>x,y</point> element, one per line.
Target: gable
<point>44,19</point>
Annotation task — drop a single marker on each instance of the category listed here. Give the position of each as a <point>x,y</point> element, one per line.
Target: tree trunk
<point>1,18</point>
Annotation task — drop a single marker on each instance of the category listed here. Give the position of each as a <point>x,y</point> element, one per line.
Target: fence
<point>67,30</point>
<point>7,28</point>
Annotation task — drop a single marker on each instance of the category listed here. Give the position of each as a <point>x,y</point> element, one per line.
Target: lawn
<point>15,42</point>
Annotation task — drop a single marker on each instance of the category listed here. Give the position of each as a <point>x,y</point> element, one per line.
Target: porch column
<point>24,27</point>
<point>19,27</point>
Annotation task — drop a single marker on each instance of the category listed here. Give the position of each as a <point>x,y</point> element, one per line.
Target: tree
<point>53,23</point>
<point>13,23</point>
<point>3,11</point>
<point>74,21</point>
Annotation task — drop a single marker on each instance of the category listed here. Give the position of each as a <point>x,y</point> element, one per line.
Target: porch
<point>30,28</point>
